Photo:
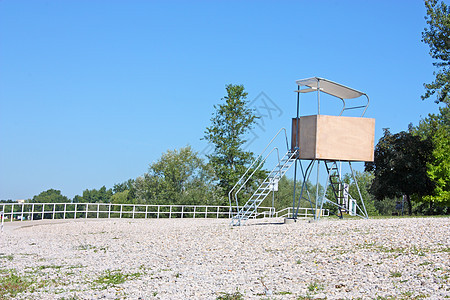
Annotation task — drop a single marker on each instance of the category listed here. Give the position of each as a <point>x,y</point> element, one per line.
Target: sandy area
<point>205,259</point>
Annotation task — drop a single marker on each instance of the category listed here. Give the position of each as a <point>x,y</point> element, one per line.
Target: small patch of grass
<point>234,296</point>
<point>409,295</point>
<point>396,274</point>
<point>309,297</point>
<point>298,261</point>
<point>101,249</point>
<point>12,284</point>
<point>49,267</point>
<point>403,281</point>
<point>385,298</point>
<point>284,293</point>
<point>315,286</point>
<point>85,247</point>
<point>70,298</point>
<point>165,270</point>
<point>417,251</point>
<point>112,278</point>
<point>76,267</point>
<point>7,257</point>
<point>391,249</point>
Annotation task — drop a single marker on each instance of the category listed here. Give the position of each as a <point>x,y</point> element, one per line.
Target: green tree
<point>437,36</point>
<point>229,125</point>
<point>125,188</point>
<point>437,129</point>
<point>178,177</point>
<point>50,196</point>
<point>101,195</point>
<point>122,198</point>
<point>400,167</point>
<point>126,185</point>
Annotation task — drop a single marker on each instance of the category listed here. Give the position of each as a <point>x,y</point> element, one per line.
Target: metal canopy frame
<point>317,84</point>
<point>342,92</point>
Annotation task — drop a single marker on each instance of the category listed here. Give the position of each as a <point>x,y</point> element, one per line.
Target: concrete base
<point>289,220</point>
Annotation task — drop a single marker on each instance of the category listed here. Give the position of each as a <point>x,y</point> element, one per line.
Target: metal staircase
<point>336,185</point>
<point>267,186</point>
<point>344,200</point>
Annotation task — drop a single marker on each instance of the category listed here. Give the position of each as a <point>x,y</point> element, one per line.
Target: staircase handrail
<point>273,171</point>
<point>248,169</point>
<point>254,171</point>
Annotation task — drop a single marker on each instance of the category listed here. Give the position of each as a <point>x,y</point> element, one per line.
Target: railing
<point>304,212</point>
<point>40,211</point>
<point>240,184</point>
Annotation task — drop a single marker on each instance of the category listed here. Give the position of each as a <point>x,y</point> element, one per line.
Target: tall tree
<point>437,129</point>
<point>50,196</point>
<point>400,167</point>
<point>230,123</point>
<point>124,192</point>
<point>101,195</point>
<point>437,36</point>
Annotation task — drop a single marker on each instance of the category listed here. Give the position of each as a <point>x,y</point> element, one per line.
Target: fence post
<point>158,213</point>
<point>75,211</point>
<point>109,211</point>
<point>206,212</point>
<point>32,211</point>
<point>182,210</point>
<point>134,206</point>
<point>194,211</point>
<point>21,214</point>
<point>170,212</point>
<point>217,212</point>
<point>146,211</point>
<point>54,208</point>
<point>87,205</point>
<point>43,205</point>
<point>64,215</point>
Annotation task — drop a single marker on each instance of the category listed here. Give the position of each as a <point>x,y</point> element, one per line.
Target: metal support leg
<point>359,192</point>
<point>306,175</point>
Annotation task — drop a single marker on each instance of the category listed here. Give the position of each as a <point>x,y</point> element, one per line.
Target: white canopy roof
<point>329,87</point>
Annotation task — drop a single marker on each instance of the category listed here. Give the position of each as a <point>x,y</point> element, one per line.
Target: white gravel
<point>204,259</point>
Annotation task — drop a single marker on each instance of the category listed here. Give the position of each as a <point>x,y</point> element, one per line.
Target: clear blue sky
<point>92,92</point>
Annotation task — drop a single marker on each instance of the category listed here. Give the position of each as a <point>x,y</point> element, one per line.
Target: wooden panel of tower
<point>326,137</point>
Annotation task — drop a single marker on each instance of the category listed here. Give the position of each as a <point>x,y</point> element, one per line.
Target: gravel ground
<point>205,259</point>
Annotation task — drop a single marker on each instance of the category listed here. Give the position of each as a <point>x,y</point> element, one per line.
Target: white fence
<point>40,211</point>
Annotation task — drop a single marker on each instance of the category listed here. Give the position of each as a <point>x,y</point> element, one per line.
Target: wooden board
<point>334,138</point>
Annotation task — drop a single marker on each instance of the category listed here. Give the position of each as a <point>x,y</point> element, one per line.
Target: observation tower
<point>319,144</point>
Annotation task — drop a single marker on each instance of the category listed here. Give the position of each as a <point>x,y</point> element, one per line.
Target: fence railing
<point>304,212</point>
<point>40,211</point>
